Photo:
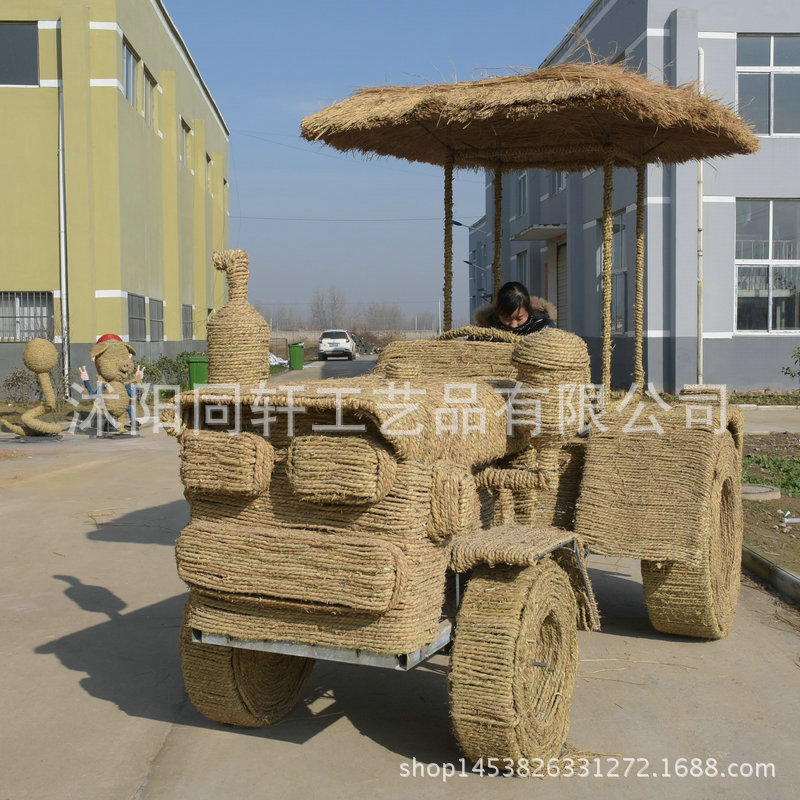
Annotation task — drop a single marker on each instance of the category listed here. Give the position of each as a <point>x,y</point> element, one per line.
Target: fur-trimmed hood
<point>485,316</point>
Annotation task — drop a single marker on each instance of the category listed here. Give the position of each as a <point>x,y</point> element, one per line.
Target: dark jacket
<point>543,316</point>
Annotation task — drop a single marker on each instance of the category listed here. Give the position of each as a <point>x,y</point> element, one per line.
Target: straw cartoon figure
<point>39,356</point>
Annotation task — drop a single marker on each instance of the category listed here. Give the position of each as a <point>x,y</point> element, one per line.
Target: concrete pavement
<point>94,708</point>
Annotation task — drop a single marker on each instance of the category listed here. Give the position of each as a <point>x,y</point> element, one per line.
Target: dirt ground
<point>764,527</point>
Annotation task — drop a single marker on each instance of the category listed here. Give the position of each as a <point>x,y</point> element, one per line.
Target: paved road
<point>93,705</point>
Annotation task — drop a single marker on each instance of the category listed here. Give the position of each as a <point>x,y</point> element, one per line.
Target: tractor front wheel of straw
<point>699,598</point>
<point>248,688</point>
<point>514,662</point>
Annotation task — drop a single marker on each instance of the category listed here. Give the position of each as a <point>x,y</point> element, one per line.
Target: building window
<point>186,144</point>
<point>186,319</point>
<point>521,267</point>
<point>768,82</point>
<point>149,99</point>
<point>558,182</point>
<point>137,330</point>
<point>25,316</point>
<point>767,265</point>
<point>156,320</point>
<point>19,54</point>
<point>522,194</point>
<point>130,74</point>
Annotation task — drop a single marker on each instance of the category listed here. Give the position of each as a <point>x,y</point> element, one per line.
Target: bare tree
<point>319,310</point>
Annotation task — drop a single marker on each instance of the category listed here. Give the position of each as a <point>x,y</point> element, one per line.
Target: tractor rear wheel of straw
<point>248,688</point>
<point>514,662</point>
<point>700,599</point>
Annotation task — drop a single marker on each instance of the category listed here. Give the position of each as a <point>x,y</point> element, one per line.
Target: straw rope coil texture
<point>241,687</point>
<point>452,359</point>
<point>400,520</point>
<point>337,573</point>
<point>514,662</point>
<point>215,463</point>
<point>699,599</point>
<point>519,121</point>
<point>547,361</point>
<point>238,336</point>
<point>331,469</point>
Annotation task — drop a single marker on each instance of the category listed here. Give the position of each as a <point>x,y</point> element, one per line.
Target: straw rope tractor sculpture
<point>341,535</point>
<point>566,117</point>
<point>334,520</point>
<point>40,357</point>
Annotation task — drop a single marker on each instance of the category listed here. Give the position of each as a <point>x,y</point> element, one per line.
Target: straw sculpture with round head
<point>40,357</point>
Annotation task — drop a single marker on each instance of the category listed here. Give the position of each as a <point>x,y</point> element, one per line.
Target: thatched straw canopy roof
<point>556,117</point>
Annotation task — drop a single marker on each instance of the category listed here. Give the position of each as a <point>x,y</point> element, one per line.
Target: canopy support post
<point>448,242</point>
<point>497,266</point>
<point>608,236</point>
<point>638,302</point>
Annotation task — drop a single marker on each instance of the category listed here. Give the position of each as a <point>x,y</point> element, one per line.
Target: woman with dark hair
<point>516,311</point>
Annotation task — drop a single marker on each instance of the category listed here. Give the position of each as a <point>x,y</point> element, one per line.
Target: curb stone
<point>784,582</point>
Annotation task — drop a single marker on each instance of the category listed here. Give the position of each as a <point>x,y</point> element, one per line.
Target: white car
<point>336,343</point>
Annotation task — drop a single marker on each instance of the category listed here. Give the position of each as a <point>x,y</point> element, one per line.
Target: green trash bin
<point>296,350</point>
<point>198,370</point>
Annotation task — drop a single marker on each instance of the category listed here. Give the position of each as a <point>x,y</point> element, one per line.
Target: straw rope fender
<point>39,356</point>
<point>504,704</point>
<point>618,513</point>
<point>248,688</point>
<point>699,599</point>
<point>523,546</point>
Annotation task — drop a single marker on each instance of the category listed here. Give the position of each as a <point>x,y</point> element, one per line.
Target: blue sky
<point>269,64</point>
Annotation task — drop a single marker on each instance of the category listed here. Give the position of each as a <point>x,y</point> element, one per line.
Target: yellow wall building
<point>114,164</point>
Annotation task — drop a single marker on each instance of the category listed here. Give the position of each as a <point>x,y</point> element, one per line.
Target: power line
<point>332,219</point>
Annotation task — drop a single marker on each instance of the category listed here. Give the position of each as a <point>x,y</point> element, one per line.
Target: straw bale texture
<point>336,572</point>
<point>455,504</point>
<point>238,336</point>
<point>619,514</point>
<point>335,469</point>
<point>699,599</point>
<point>453,359</point>
<point>479,333</point>
<point>241,687</point>
<point>216,463</point>
<point>503,704</point>
<point>558,117</point>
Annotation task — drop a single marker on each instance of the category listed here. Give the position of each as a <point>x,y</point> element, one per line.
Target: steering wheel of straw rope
<point>481,334</point>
